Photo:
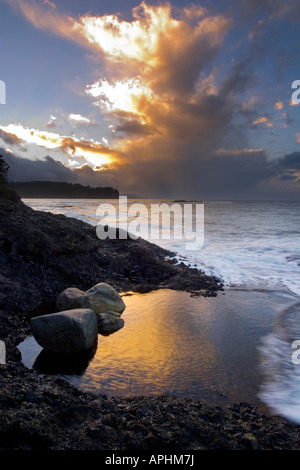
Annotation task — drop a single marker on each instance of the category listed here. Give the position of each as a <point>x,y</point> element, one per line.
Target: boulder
<point>109,323</point>
<point>104,298</point>
<point>66,332</point>
<point>72,298</point>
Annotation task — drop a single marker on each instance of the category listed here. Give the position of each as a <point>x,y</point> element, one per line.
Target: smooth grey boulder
<point>109,323</point>
<point>66,332</point>
<point>72,298</point>
<point>104,298</point>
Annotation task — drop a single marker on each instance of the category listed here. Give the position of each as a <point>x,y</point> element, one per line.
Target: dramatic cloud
<point>119,95</point>
<point>171,53</point>
<point>153,87</point>
<point>134,127</point>
<point>93,152</point>
<point>290,161</point>
<point>246,174</point>
<point>48,169</point>
<point>171,102</point>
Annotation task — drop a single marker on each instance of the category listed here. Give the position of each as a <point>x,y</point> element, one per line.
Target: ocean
<point>234,349</point>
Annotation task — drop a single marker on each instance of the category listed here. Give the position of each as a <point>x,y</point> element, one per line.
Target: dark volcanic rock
<point>39,413</point>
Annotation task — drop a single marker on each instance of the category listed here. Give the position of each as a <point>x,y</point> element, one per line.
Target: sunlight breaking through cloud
<point>88,150</point>
<point>119,95</point>
<point>137,40</point>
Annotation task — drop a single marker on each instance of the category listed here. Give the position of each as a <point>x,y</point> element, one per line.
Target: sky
<point>157,99</point>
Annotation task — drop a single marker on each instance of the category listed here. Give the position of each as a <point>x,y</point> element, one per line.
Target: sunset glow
<point>155,93</point>
<point>93,152</point>
<point>138,39</point>
<point>121,95</point>
<point>48,140</point>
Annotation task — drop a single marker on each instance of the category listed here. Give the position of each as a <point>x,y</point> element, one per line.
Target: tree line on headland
<point>50,189</point>
<point>5,192</point>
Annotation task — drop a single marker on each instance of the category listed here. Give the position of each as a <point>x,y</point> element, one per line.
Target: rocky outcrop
<point>104,298</point>
<point>66,332</point>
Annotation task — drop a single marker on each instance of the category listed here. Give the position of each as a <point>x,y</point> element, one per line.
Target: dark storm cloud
<point>134,127</point>
<point>291,160</point>
<point>48,169</point>
<point>218,175</point>
<point>224,174</point>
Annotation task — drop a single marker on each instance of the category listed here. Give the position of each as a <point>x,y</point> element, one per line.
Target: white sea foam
<point>251,245</point>
<point>281,389</point>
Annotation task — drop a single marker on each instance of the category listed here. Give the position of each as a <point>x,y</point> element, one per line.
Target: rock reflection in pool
<point>52,363</point>
<point>202,348</point>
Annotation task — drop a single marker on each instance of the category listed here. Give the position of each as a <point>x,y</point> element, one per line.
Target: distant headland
<point>61,190</point>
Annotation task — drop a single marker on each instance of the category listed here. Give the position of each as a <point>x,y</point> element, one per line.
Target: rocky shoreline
<point>42,254</point>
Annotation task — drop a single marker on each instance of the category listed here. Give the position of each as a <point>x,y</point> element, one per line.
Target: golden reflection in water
<point>203,348</point>
<point>155,344</point>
